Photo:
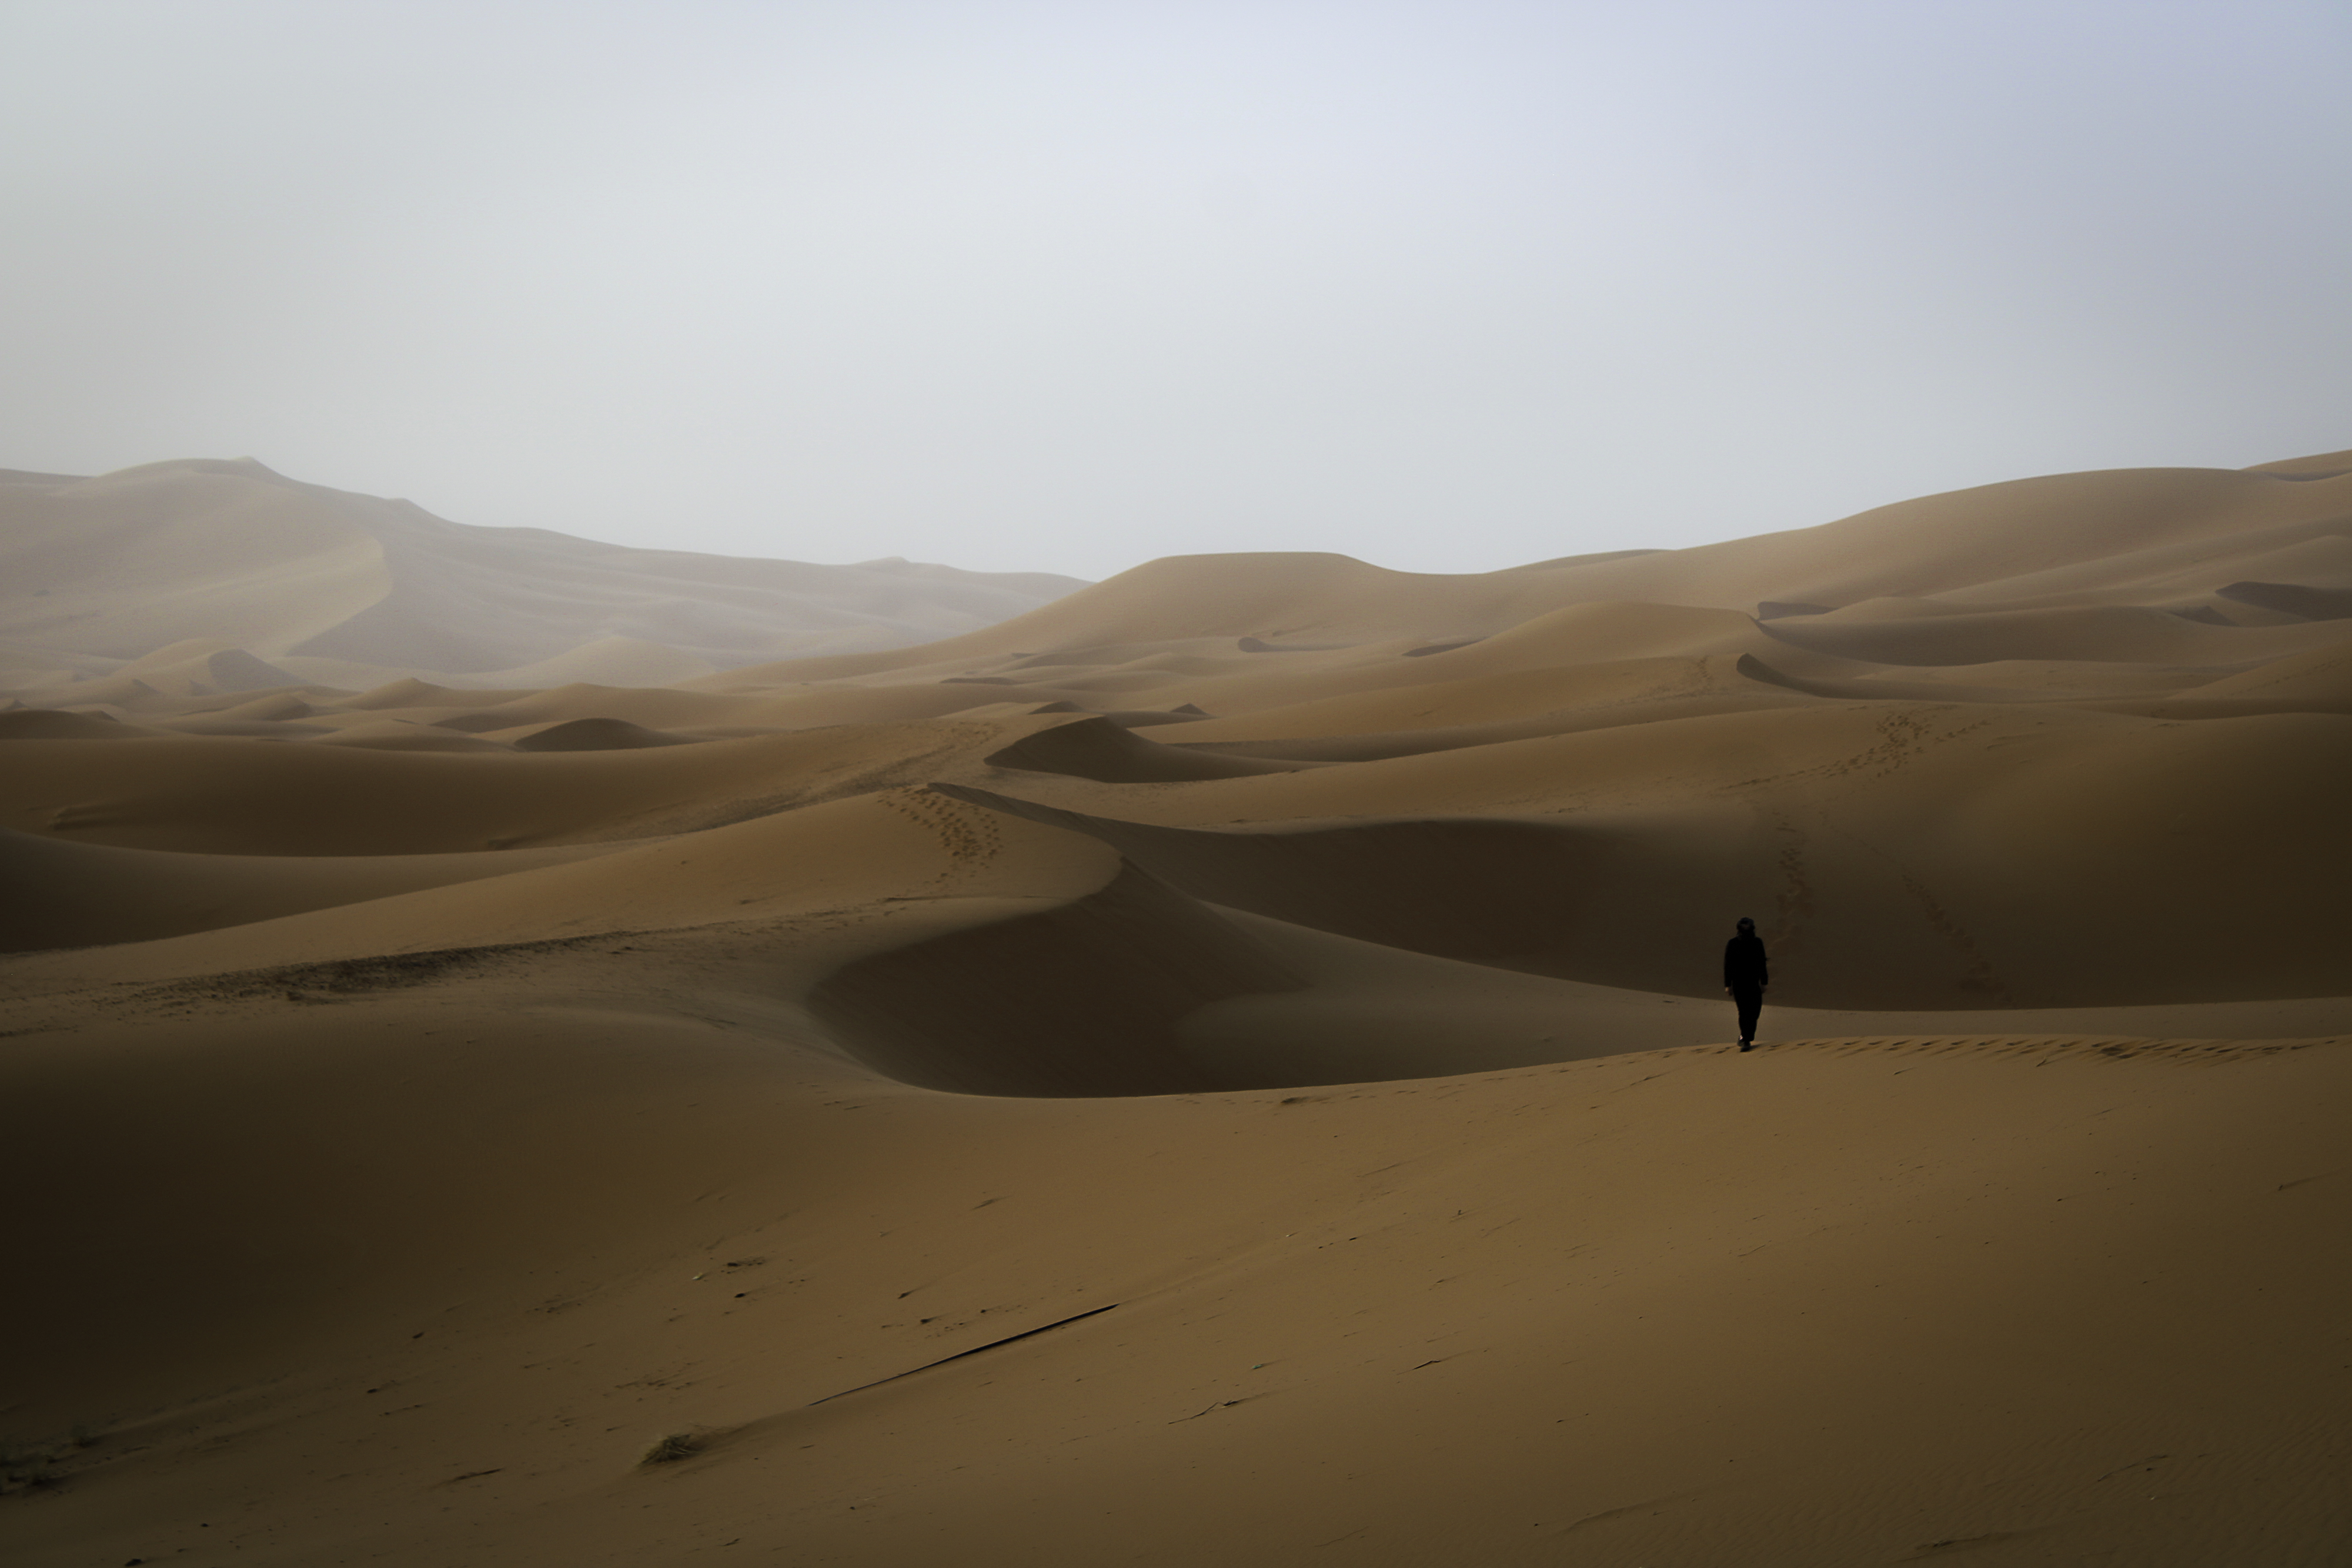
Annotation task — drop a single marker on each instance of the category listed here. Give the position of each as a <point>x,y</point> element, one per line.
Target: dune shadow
<point>1508,893</point>
<point>1081,999</point>
<point>1108,752</point>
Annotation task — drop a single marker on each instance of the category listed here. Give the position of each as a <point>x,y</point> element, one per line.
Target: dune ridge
<point>528,1052</point>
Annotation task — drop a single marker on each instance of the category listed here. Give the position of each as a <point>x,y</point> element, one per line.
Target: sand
<point>213,576</point>
<point>1227,1065</point>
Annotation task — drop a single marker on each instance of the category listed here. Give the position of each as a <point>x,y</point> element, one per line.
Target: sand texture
<point>1228,1064</point>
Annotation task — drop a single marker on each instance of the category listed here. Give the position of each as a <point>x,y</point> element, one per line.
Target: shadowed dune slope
<point>1083,999</point>
<point>593,735</point>
<point>1879,904</point>
<point>1230,1065</point>
<point>2111,634</point>
<point>1108,753</point>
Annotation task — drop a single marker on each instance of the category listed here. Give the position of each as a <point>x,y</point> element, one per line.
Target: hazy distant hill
<point>230,558</point>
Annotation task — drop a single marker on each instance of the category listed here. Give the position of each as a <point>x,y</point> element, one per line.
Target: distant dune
<point>522,1052</point>
<point>225,576</point>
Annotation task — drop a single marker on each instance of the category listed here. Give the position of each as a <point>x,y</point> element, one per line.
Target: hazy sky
<point>1020,285</point>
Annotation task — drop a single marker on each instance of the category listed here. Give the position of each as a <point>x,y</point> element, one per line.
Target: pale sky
<point>1019,284</point>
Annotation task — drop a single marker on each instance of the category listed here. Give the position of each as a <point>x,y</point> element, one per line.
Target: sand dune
<point>213,795</point>
<point>1574,856</point>
<point>224,575</point>
<point>2126,537</point>
<point>1227,1065</point>
<point>67,894</point>
<point>2097,634</point>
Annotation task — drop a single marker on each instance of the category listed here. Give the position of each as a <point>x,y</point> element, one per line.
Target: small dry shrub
<point>674,1447</point>
<point>32,1467</point>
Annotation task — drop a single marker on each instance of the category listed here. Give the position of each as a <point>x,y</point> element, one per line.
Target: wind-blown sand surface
<point>1227,1066</point>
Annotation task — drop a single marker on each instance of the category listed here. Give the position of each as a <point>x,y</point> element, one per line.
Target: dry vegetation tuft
<point>674,1447</point>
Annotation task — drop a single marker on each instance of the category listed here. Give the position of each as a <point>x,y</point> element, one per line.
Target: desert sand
<point>1226,1064</point>
<point>210,575</point>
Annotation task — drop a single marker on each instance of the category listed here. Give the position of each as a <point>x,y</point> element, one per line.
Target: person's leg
<point>1751,1004</point>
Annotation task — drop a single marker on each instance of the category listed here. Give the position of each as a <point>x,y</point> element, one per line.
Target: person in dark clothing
<point>1745,976</point>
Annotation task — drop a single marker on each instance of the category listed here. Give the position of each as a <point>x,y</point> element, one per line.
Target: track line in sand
<point>991,1344</point>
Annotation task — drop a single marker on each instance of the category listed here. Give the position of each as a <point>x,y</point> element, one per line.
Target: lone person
<point>1745,976</point>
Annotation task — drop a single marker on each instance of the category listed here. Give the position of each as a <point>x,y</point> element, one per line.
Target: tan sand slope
<point>1227,1066</point>
<point>1789,1309</point>
<point>2129,536</point>
<point>67,894</point>
<point>224,796</point>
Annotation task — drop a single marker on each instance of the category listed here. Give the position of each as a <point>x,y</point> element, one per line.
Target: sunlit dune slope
<point>219,795</point>
<point>2126,537</point>
<point>1230,1065</point>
